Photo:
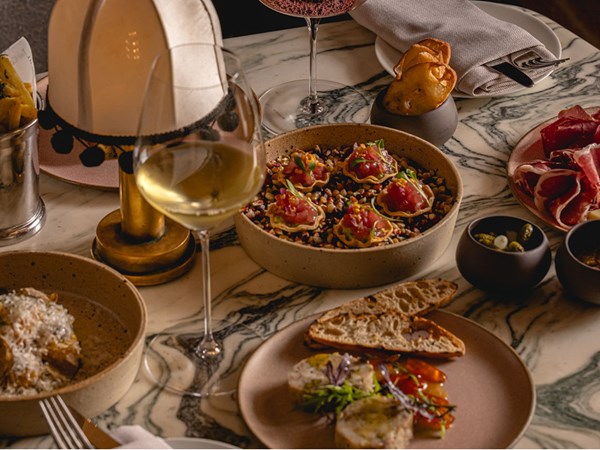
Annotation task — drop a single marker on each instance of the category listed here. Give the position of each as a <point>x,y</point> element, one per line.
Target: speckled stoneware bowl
<point>436,126</point>
<point>354,268</point>
<point>110,322</point>
<point>497,270</point>
<point>579,279</point>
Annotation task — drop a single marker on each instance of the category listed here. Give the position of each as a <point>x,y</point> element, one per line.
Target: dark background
<point>29,18</point>
<point>250,16</point>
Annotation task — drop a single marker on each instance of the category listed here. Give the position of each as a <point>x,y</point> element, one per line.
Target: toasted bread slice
<point>387,331</point>
<point>411,298</point>
<point>374,422</point>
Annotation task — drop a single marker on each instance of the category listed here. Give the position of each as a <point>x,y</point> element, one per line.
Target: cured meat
<point>567,193</point>
<point>574,128</point>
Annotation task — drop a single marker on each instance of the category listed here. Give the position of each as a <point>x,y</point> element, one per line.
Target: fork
<point>64,428</point>
<point>538,62</point>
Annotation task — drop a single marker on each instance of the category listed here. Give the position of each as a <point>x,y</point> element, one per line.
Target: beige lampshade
<point>100,53</point>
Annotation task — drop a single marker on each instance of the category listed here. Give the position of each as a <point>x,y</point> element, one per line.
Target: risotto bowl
<point>109,322</point>
<point>353,268</point>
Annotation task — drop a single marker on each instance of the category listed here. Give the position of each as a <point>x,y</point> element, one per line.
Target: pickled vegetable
<point>509,240</point>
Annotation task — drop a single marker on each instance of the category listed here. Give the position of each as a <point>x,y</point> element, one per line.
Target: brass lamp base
<point>144,263</point>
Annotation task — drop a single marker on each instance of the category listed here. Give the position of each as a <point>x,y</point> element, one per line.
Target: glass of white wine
<point>198,158</point>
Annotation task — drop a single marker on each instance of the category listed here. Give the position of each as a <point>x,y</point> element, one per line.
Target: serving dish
<point>68,167</point>
<point>388,56</point>
<point>110,322</point>
<point>528,150</point>
<point>580,280</point>
<point>503,271</point>
<point>363,267</point>
<point>490,385</point>
<point>435,126</point>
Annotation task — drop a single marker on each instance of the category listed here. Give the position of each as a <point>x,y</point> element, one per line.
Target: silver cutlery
<point>539,62</point>
<point>64,428</point>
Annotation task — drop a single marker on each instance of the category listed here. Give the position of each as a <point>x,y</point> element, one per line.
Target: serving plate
<point>68,167</point>
<point>388,56</point>
<point>490,385</point>
<point>529,149</point>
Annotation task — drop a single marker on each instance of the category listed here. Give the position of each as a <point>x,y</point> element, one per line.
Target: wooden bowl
<point>354,268</point>
<point>110,322</point>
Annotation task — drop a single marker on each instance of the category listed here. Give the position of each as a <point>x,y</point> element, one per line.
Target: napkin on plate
<point>476,38</point>
<point>135,436</point>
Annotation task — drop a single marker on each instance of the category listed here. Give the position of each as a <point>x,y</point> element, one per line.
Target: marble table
<point>556,336</point>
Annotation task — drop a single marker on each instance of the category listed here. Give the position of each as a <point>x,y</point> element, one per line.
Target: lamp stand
<point>141,243</point>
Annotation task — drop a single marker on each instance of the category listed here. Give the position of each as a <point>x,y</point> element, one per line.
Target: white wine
<point>200,184</point>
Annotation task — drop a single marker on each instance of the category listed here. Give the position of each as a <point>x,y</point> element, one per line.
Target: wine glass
<point>300,103</point>
<point>198,157</point>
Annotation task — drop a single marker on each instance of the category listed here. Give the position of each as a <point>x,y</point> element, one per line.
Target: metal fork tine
<point>64,428</point>
<point>539,62</point>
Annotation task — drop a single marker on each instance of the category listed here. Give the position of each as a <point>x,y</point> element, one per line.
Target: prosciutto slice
<point>567,185</point>
<point>574,128</point>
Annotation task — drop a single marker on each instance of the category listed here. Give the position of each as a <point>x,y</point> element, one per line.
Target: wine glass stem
<point>312,107</point>
<point>207,348</point>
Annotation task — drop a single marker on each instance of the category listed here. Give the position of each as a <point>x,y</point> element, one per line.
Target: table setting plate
<point>388,56</point>
<point>68,167</point>
<point>490,385</point>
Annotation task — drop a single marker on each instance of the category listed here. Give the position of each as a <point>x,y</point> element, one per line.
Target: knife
<point>512,72</point>
<point>97,437</point>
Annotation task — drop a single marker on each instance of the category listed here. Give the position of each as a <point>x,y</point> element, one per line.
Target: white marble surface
<point>557,337</point>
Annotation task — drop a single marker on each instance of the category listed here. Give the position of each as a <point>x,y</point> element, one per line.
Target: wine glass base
<point>172,362</point>
<point>285,107</point>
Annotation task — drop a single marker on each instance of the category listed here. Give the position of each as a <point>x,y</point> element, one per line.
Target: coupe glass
<point>198,158</point>
<point>300,103</point>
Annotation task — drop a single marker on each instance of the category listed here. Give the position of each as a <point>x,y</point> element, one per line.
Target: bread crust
<point>390,321</point>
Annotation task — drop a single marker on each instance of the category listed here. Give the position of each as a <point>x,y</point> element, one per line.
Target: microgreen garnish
<point>293,189</point>
<point>332,399</point>
<point>356,161</point>
<point>410,176</point>
<point>300,163</point>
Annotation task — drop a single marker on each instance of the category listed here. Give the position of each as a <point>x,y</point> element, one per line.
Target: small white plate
<point>388,56</point>
<point>184,442</point>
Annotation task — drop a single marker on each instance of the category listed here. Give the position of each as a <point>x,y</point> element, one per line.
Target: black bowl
<point>435,126</point>
<point>577,278</point>
<point>502,271</point>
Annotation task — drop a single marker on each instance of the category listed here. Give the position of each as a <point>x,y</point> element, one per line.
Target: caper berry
<point>525,233</point>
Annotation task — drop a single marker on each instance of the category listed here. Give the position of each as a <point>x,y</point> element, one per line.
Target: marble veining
<point>556,336</point>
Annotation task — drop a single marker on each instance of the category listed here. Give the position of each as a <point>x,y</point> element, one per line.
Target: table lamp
<point>99,56</point>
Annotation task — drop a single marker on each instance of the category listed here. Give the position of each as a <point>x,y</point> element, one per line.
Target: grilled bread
<point>411,298</point>
<point>390,321</point>
<point>386,331</point>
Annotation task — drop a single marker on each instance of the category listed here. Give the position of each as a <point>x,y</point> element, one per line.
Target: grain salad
<point>343,188</point>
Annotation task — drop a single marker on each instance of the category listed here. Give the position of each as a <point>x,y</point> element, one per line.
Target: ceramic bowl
<point>110,322</point>
<point>354,268</point>
<point>436,126</point>
<point>502,271</point>
<point>579,279</point>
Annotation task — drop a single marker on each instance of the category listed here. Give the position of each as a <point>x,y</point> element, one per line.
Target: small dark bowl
<point>502,271</point>
<point>435,126</point>
<point>577,278</point>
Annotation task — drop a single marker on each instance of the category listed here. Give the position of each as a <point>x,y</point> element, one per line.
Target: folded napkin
<point>135,436</point>
<point>477,39</point>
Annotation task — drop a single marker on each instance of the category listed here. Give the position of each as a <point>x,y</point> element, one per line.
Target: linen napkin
<point>476,38</point>
<point>135,436</point>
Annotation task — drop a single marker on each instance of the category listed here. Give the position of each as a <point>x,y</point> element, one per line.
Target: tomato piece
<point>402,195</point>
